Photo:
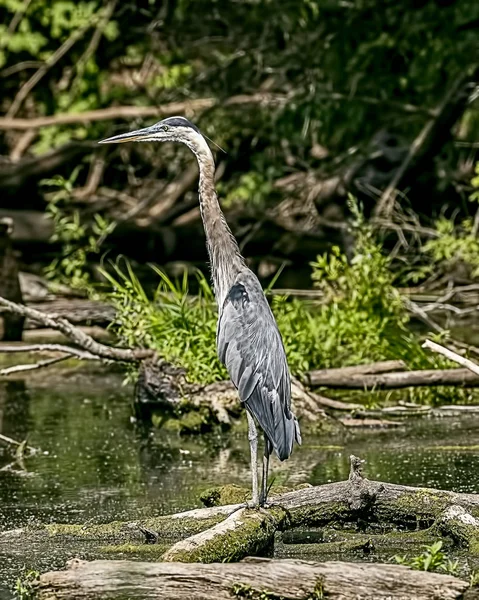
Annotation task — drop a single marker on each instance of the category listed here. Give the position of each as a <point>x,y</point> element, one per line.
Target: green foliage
<point>25,586</point>
<point>180,327</point>
<point>432,559</point>
<point>315,53</point>
<point>361,319</point>
<point>253,188</point>
<point>453,246</point>
<point>78,241</point>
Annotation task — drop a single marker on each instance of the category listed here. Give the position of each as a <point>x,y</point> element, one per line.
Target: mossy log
<point>233,531</point>
<point>253,579</point>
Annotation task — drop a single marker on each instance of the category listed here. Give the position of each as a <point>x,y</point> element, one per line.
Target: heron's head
<point>172,129</point>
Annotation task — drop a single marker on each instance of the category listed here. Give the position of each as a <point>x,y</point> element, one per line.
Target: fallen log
<point>231,532</point>
<point>403,379</point>
<point>254,579</point>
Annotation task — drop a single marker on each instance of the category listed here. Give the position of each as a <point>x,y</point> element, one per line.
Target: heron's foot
<point>254,503</point>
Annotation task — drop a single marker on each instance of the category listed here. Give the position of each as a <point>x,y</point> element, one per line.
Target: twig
<point>17,17</point>
<point>8,440</point>
<point>129,112</point>
<point>43,70</point>
<point>97,167</point>
<point>23,143</point>
<point>32,367</point>
<point>12,442</point>
<point>21,66</point>
<point>461,360</point>
<point>415,309</point>
<point>81,354</point>
<point>76,335</point>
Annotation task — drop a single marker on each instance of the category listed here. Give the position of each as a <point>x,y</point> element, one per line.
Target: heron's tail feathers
<point>280,426</point>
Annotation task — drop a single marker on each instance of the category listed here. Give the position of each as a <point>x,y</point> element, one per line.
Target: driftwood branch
<point>230,532</point>
<point>76,335</point>
<point>461,360</point>
<point>288,579</point>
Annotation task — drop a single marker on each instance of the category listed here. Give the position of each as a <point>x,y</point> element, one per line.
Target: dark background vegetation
<point>311,100</point>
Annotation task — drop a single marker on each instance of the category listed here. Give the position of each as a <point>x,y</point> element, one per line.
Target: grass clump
<point>26,584</point>
<point>181,328</point>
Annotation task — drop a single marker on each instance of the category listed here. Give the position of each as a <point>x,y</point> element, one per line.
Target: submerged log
<point>274,579</point>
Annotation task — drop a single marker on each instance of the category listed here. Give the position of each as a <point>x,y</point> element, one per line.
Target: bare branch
<point>32,367</point>
<point>461,360</point>
<point>17,17</point>
<point>21,445</point>
<point>49,348</point>
<point>76,335</point>
<point>95,40</point>
<point>129,112</point>
<point>453,96</point>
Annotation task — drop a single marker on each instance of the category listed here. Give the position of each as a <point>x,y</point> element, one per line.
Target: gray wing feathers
<point>250,346</point>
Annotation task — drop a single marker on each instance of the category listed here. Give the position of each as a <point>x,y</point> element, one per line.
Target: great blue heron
<point>248,340</point>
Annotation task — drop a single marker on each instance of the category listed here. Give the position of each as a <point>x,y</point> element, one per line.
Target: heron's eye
<point>165,127</point>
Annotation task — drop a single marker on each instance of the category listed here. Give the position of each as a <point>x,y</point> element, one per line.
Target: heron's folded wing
<point>250,345</point>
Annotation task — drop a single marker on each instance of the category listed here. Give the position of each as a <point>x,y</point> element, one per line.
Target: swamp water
<point>97,465</point>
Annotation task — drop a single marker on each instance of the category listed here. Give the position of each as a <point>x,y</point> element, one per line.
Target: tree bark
<point>254,579</point>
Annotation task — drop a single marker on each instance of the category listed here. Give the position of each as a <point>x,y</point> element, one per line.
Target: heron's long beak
<point>133,136</point>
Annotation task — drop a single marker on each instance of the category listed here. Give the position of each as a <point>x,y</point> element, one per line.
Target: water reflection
<point>97,465</point>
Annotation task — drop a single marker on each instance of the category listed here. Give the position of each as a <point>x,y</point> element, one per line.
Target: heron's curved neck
<point>225,257</point>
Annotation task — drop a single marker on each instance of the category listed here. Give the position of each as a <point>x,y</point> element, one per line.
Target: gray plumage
<point>249,342</point>
<point>251,348</point>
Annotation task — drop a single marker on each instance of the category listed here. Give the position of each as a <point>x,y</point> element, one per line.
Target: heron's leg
<point>264,481</point>
<point>253,444</point>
